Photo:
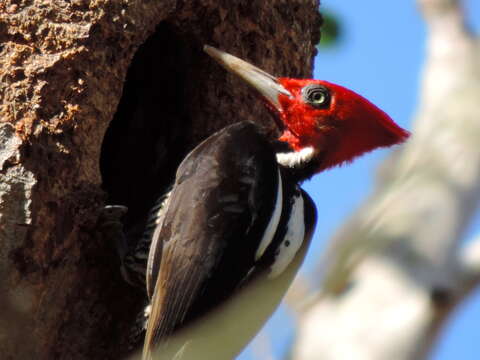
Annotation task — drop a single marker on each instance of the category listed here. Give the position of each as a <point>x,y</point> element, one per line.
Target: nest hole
<point>146,138</point>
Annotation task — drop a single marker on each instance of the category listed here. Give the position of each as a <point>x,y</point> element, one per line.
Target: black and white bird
<point>236,212</point>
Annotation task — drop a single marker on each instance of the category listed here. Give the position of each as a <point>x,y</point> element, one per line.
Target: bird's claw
<point>113,212</point>
<point>110,225</point>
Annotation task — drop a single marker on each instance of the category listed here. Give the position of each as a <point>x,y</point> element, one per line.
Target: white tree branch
<point>470,265</point>
<point>394,272</point>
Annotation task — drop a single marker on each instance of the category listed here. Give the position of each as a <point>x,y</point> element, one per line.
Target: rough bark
<point>395,270</point>
<point>68,69</point>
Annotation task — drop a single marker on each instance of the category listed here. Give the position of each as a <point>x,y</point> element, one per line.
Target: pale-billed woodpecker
<point>236,211</point>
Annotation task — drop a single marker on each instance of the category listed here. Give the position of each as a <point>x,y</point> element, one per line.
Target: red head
<point>332,123</point>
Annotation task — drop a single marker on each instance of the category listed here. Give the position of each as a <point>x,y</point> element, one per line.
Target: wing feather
<point>224,195</point>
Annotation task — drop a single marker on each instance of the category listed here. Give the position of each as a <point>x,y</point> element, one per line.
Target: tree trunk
<point>69,71</point>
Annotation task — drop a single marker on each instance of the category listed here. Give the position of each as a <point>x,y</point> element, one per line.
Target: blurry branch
<point>470,265</point>
<point>239,319</point>
<point>394,272</point>
<point>300,294</point>
<point>262,347</point>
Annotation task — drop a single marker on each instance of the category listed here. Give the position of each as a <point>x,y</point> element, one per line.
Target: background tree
<point>396,269</point>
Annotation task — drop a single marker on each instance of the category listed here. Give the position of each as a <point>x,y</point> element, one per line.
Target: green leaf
<point>331,30</point>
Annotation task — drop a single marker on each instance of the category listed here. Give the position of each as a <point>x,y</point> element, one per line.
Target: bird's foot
<point>111,227</point>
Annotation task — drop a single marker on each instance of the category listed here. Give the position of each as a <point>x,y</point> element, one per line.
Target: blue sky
<point>380,56</point>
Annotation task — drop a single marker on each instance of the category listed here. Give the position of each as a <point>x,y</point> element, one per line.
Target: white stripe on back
<point>154,246</point>
<point>293,239</point>
<point>274,220</point>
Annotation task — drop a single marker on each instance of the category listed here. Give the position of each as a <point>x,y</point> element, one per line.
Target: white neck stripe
<point>296,158</point>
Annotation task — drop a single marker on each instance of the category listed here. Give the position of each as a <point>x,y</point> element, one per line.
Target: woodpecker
<point>236,212</point>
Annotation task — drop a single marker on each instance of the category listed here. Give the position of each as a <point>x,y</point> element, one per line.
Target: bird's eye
<point>317,96</point>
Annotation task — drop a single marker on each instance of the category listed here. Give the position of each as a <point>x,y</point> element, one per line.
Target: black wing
<point>224,195</point>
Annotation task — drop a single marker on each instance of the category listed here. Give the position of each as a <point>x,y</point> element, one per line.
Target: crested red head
<point>320,121</point>
<point>336,121</point>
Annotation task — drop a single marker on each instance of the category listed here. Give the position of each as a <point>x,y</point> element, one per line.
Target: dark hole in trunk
<point>146,138</point>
